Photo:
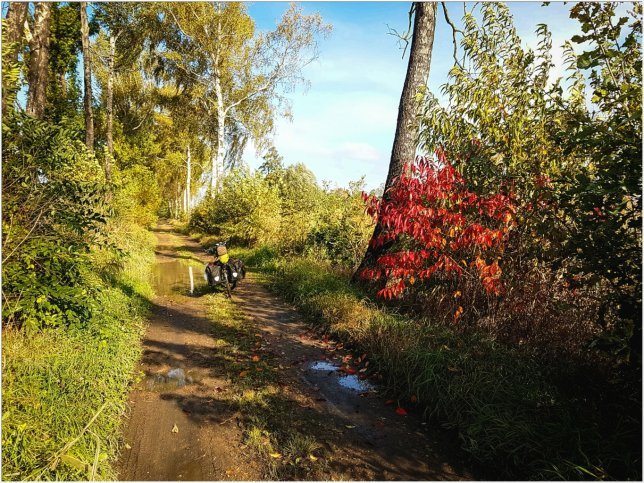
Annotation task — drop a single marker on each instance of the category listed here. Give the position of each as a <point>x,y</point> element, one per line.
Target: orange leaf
<point>401,411</point>
<point>243,373</point>
<point>254,358</point>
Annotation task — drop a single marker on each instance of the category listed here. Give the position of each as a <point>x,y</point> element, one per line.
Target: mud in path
<point>181,427</point>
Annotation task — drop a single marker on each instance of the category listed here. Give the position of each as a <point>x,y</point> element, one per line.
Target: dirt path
<point>262,400</point>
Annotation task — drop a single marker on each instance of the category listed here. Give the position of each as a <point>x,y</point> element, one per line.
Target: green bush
<point>53,213</point>
<point>246,209</point>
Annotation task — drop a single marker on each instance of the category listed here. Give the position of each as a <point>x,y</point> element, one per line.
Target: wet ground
<point>180,428</point>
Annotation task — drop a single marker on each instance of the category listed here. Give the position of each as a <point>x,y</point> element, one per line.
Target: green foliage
<point>64,91</point>
<point>53,212</point>
<point>137,196</point>
<point>10,70</point>
<point>55,380</point>
<point>287,210</point>
<point>246,209</point>
<point>573,166</point>
<point>343,230</point>
<point>601,200</point>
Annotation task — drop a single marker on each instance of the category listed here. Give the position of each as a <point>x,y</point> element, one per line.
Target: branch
<point>454,30</point>
<point>405,37</point>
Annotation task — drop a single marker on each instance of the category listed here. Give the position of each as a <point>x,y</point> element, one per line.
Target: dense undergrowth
<point>75,274</point>
<point>55,380</point>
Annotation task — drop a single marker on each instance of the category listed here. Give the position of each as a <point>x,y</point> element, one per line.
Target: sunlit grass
<point>56,380</point>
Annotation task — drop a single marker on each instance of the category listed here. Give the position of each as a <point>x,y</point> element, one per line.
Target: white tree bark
<point>218,160</point>
<point>188,178</point>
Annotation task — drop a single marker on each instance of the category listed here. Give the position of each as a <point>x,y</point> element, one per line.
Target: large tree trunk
<point>87,78</point>
<point>406,138</point>
<point>39,61</point>
<point>16,17</point>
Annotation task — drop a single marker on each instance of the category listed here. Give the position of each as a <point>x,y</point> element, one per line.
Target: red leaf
<point>401,411</point>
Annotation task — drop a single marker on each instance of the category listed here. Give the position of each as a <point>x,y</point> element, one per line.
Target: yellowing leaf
<point>312,458</point>
<point>74,462</point>
<point>275,455</point>
<point>175,429</point>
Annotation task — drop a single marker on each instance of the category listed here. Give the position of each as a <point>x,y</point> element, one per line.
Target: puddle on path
<point>324,366</point>
<point>175,378</point>
<point>348,381</point>
<point>176,277</point>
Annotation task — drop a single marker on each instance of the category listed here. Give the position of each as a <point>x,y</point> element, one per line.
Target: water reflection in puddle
<point>349,381</point>
<point>175,378</point>
<point>324,366</point>
<point>173,277</point>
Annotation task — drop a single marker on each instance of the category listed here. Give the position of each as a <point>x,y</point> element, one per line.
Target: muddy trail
<point>245,390</point>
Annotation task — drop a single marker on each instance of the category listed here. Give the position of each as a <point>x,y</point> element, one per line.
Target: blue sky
<point>343,126</point>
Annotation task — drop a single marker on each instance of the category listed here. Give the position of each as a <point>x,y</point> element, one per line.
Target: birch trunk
<point>188,177</point>
<point>38,64</point>
<point>109,109</point>
<point>87,78</point>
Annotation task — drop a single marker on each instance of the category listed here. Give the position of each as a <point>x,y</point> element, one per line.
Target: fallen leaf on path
<point>401,411</point>
<point>127,446</point>
<point>175,429</point>
<point>275,455</point>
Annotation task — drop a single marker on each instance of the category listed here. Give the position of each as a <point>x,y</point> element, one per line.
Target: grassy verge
<point>64,390</point>
<point>515,416</point>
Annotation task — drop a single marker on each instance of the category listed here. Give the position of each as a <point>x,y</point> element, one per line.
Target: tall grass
<point>56,380</point>
<point>513,414</point>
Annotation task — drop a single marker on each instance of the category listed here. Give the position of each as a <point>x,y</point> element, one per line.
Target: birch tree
<point>87,77</point>
<point>245,74</point>
<point>38,63</point>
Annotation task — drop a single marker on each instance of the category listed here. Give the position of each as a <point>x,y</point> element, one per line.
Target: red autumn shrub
<point>441,229</point>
